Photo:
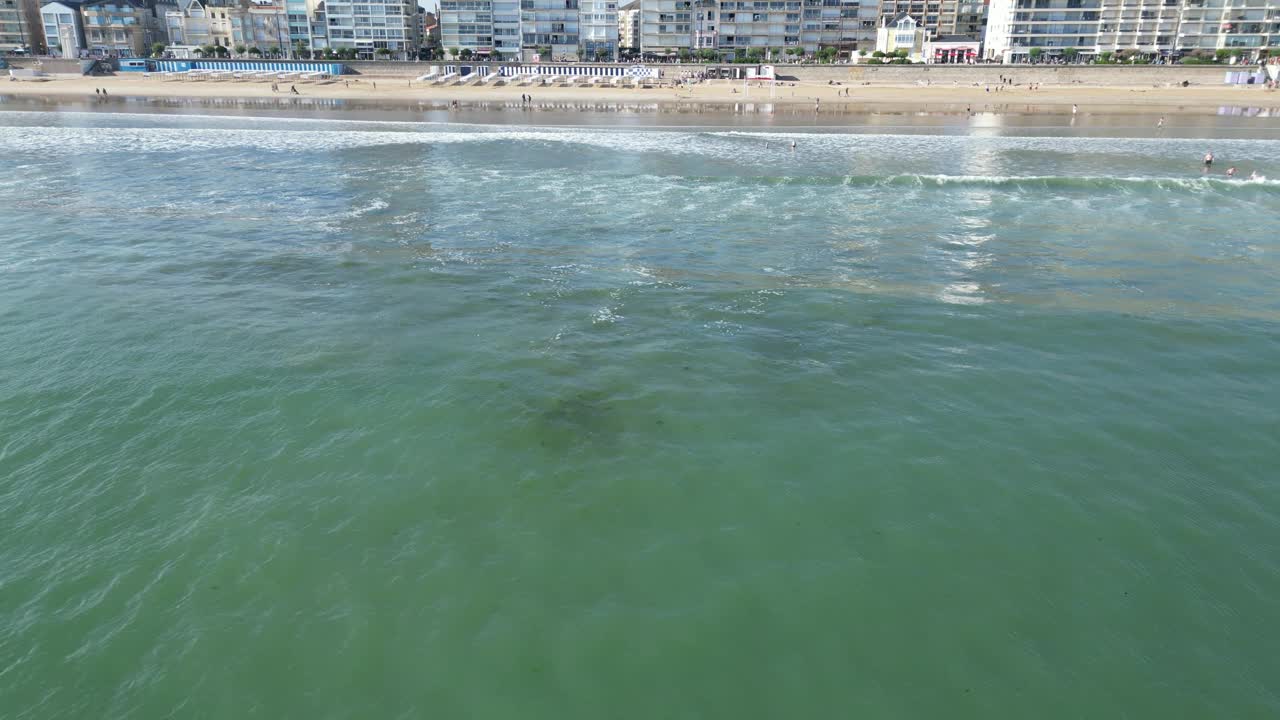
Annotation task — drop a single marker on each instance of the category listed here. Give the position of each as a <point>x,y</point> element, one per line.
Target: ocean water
<point>325,419</point>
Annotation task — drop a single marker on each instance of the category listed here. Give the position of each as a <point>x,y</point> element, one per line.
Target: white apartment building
<point>629,25</point>
<point>1016,26</point>
<point>666,26</point>
<point>1148,26</point>
<point>1217,24</point>
<point>759,24</point>
<point>63,29</point>
<point>737,27</point>
<point>371,25</point>
<point>550,26</point>
<point>966,18</point>
<point>598,29</point>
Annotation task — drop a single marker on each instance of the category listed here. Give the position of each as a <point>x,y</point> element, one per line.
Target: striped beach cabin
<point>245,65</point>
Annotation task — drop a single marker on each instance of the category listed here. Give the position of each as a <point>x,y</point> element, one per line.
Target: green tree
<point>207,51</point>
<point>1069,53</point>
<point>157,49</point>
<point>707,54</point>
<point>901,52</point>
<point>384,52</point>
<point>1035,53</point>
<point>684,55</point>
<point>256,51</point>
<point>1105,57</point>
<point>240,49</point>
<point>877,54</point>
<point>457,53</point>
<point>601,54</point>
<point>466,53</point>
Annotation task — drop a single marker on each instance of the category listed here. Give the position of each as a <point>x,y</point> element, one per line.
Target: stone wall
<point>51,66</point>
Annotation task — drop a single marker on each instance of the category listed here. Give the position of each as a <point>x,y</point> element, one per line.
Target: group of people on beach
<point>1231,171</point>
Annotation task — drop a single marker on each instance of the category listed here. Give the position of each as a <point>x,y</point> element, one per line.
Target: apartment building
<point>63,29</point>
<point>1231,24</point>
<point>629,26</point>
<point>549,27</point>
<point>747,25</point>
<point>736,27</point>
<point>965,18</point>
<point>266,27</point>
<point>485,27</point>
<point>1148,26</point>
<point>123,28</point>
<point>368,26</point>
<point>1016,26</point>
<point>20,27</point>
<point>598,29</point>
<point>220,23</point>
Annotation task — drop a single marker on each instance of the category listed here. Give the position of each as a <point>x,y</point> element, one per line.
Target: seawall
<point>1091,75</point>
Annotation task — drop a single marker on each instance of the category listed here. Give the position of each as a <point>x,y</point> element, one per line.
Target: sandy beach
<point>821,97</point>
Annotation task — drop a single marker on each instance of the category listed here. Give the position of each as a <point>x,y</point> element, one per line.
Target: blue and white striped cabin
<point>245,65</point>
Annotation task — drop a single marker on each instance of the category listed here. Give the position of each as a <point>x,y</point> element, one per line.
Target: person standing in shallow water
<point>1208,161</point>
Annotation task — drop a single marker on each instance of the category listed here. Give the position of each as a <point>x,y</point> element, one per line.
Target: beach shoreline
<point>723,96</point>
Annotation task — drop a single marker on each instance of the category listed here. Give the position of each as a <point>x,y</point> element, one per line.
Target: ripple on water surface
<point>333,419</point>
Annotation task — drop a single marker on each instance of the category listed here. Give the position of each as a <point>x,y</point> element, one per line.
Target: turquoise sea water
<point>322,419</point>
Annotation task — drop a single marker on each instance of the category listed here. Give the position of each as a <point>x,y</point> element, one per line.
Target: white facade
<point>666,25</point>
<point>1014,27</point>
<point>598,29</point>
<point>902,34</point>
<point>63,31</point>
<point>372,25</point>
<point>550,26</point>
<point>1252,25</point>
<point>1149,26</point>
<point>629,25</point>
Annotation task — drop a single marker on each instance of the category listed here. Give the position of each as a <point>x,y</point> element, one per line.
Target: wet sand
<point>816,98</point>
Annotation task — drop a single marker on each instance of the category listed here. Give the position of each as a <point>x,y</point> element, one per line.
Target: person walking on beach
<point>294,89</point>
<point>1160,123</point>
<point>1074,108</point>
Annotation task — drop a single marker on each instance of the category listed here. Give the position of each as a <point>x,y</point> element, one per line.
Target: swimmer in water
<point>1255,176</point>
<point>1208,160</point>
<point>793,146</point>
<point>1231,172</point>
